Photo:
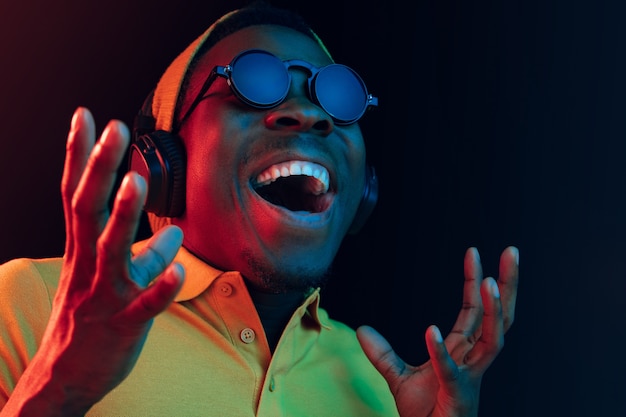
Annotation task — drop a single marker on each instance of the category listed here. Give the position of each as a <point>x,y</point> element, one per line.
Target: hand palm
<point>104,305</point>
<point>449,383</point>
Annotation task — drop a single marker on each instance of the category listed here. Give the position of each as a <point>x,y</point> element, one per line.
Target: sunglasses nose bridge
<point>300,92</point>
<point>298,112</point>
<point>299,82</point>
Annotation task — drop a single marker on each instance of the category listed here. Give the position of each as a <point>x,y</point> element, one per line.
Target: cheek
<point>212,163</point>
<point>353,144</point>
<point>355,154</point>
<point>210,210</point>
<point>206,179</point>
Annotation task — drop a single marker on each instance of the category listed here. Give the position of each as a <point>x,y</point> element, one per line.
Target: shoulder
<point>27,287</point>
<point>341,351</point>
<point>338,335</point>
<point>24,279</point>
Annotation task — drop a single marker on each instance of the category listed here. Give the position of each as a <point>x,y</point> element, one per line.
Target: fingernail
<point>437,334</point>
<point>494,289</point>
<point>130,179</point>
<point>107,131</point>
<point>78,113</point>
<point>124,186</point>
<point>180,271</point>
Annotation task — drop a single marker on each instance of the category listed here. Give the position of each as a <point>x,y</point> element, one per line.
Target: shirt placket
<point>245,331</point>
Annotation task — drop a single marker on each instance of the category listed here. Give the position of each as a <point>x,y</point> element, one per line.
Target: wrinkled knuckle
<point>78,205</point>
<point>509,320</point>
<point>469,307</point>
<point>472,339</point>
<point>157,258</point>
<point>123,213</point>
<point>141,273</point>
<point>148,307</point>
<point>66,188</point>
<point>102,244</point>
<point>454,374</point>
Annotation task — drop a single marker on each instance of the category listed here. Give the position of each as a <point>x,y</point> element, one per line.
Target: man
<point>257,167</point>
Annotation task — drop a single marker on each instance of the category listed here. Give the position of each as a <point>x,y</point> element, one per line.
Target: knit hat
<point>171,89</point>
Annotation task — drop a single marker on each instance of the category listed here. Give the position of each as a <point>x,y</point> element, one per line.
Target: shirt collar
<point>199,276</point>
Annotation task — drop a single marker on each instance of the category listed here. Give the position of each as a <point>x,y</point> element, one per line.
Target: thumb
<point>381,354</point>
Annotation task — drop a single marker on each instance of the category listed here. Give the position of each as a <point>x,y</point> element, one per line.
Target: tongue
<point>295,193</point>
<point>314,186</point>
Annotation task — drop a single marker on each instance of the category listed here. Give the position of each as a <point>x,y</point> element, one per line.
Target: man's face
<point>288,238</point>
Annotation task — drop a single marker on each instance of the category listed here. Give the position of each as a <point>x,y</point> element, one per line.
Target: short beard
<point>277,282</point>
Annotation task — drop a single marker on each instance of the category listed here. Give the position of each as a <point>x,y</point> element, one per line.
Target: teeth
<point>286,169</point>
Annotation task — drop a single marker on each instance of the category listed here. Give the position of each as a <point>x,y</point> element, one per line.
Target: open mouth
<point>300,186</point>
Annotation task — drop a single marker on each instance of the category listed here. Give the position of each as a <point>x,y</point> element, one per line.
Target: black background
<point>499,123</point>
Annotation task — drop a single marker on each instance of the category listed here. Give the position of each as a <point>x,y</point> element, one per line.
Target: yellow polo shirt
<point>207,354</point>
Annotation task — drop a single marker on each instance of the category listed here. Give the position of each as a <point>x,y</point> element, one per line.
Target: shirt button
<point>247,335</point>
<point>225,289</point>
<point>272,385</point>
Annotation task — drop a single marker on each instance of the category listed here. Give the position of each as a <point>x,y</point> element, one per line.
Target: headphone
<point>159,156</point>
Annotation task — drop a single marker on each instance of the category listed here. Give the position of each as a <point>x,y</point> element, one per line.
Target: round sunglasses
<point>262,80</point>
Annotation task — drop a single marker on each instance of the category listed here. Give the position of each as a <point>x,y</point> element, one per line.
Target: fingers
<point>498,299</point>
<point>507,283</point>
<point>90,202</point>
<point>492,338</point>
<point>156,255</point>
<point>98,246</point>
<point>156,297</point>
<point>477,359</point>
<point>113,246</point>
<point>80,141</point>
<point>444,366</point>
<point>459,388</point>
<point>88,178</point>
<point>469,318</point>
<point>381,354</point>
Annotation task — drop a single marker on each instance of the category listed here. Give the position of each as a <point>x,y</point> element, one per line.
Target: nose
<point>297,112</point>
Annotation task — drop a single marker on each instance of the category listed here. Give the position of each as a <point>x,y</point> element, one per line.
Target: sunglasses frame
<point>226,72</point>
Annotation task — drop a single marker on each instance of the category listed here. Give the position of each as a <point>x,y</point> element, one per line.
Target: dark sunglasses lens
<point>260,79</point>
<point>341,92</point>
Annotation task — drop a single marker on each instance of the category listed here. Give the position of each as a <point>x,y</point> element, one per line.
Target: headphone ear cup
<point>160,158</point>
<point>368,200</point>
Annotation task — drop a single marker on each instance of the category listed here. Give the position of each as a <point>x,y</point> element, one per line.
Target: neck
<point>275,310</point>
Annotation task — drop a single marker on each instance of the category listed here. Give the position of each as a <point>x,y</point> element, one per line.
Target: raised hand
<point>105,303</point>
<point>449,383</point>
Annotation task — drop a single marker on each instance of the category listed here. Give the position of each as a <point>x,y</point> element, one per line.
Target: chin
<point>287,277</point>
